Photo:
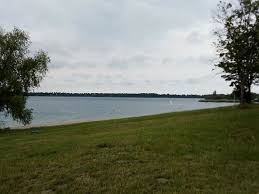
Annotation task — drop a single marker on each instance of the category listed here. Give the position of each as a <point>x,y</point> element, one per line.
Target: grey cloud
<point>200,80</point>
<point>134,61</point>
<point>195,37</point>
<point>190,60</point>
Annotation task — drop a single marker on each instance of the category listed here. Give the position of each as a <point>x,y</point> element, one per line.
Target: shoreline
<point>219,100</point>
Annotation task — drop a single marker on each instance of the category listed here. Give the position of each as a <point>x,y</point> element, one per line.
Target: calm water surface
<point>56,110</point>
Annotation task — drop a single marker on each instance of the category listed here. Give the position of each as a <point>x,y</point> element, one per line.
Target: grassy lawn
<point>205,151</point>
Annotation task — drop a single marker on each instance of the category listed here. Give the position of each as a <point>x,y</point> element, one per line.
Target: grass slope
<point>205,151</point>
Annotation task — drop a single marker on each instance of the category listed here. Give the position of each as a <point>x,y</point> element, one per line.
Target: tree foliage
<point>20,71</point>
<point>238,44</point>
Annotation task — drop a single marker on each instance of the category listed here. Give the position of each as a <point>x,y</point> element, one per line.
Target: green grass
<point>205,151</point>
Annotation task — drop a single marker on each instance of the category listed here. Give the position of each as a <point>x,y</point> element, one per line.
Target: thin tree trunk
<point>249,95</point>
<point>242,93</point>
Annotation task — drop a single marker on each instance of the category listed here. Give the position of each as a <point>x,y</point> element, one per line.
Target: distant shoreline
<point>219,100</point>
<point>119,95</point>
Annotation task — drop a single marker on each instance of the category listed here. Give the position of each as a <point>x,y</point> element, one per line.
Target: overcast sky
<point>162,46</point>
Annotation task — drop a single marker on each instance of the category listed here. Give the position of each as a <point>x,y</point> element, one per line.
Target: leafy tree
<point>238,44</point>
<point>20,71</point>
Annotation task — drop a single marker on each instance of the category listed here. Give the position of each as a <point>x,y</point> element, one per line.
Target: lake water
<point>56,110</point>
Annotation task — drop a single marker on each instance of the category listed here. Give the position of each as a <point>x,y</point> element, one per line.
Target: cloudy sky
<point>162,46</point>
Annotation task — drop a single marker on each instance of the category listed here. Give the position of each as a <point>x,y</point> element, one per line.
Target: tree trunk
<point>242,93</point>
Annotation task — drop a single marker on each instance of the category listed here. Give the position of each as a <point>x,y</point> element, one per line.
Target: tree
<point>20,71</point>
<point>238,45</point>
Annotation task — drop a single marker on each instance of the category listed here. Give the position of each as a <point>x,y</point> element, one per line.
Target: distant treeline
<point>128,95</point>
<point>219,96</point>
<point>232,96</point>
